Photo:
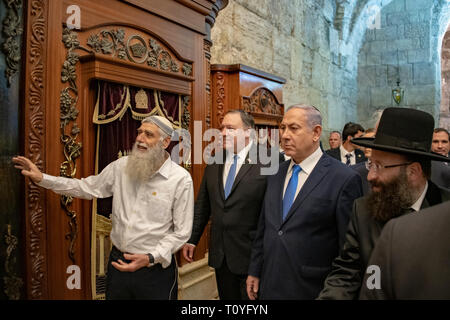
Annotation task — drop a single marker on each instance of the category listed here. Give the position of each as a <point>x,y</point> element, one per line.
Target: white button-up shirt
<point>151,217</point>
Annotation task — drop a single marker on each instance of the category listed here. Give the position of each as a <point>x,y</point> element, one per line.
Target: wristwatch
<point>151,259</point>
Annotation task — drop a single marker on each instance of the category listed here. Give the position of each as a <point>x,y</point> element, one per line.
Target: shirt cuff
<point>47,181</point>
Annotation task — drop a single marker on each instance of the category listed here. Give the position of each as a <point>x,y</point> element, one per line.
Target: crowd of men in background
<point>307,231</point>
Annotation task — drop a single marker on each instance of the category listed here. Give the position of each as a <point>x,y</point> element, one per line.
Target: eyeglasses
<point>377,167</point>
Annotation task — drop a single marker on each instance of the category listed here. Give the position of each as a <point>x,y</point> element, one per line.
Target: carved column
<point>34,115</point>
<point>210,19</point>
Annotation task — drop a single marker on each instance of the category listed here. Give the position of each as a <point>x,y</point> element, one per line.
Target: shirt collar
<point>241,154</point>
<point>344,152</point>
<point>166,167</point>
<point>309,163</point>
<point>416,206</point>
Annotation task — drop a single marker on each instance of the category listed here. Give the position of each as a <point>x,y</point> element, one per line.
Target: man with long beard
<point>152,212</point>
<point>399,172</point>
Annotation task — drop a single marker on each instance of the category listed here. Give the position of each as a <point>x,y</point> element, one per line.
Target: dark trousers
<point>231,286</point>
<point>154,283</point>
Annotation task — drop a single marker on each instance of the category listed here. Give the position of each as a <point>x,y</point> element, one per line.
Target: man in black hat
<point>399,172</point>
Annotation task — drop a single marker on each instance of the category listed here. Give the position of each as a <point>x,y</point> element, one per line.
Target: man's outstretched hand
<point>28,168</point>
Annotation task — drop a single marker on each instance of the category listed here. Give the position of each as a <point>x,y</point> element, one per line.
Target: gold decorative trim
<point>70,129</point>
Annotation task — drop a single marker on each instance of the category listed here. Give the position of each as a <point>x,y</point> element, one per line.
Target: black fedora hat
<point>406,131</point>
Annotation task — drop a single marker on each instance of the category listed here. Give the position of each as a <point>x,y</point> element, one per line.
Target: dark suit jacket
<point>440,174</point>
<point>293,257</point>
<point>234,220</point>
<point>363,172</point>
<point>344,281</point>
<point>413,254</point>
<point>336,153</point>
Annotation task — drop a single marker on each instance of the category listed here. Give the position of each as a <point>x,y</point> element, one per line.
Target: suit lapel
<point>280,187</point>
<point>246,166</point>
<point>314,178</point>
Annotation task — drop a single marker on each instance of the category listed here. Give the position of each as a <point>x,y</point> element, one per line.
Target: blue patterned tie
<point>289,194</point>
<point>230,178</point>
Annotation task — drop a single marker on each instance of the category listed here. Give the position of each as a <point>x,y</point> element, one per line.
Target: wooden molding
<point>35,83</point>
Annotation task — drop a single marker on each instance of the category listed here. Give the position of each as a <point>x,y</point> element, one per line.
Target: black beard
<point>393,199</point>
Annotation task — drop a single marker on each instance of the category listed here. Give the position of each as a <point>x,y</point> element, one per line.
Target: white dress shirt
<point>229,161</point>
<point>151,217</point>
<point>416,206</point>
<point>344,158</point>
<point>307,166</point>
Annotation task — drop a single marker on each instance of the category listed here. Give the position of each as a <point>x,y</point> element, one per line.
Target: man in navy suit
<point>305,214</point>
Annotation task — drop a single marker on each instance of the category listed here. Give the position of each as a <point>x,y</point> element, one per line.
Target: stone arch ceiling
<point>351,15</point>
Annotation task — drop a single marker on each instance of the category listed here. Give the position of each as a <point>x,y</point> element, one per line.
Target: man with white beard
<point>152,212</point>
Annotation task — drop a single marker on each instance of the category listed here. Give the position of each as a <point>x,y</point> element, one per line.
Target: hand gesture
<point>188,252</point>
<point>28,168</point>
<point>138,261</point>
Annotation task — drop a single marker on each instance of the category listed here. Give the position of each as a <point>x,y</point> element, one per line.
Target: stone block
<point>419,95</point>
<point>418,5</point>
<point>396,6</point>
<point>381,79</point>
<point>380,97</point>
<point>418,55</point>
<point>373,59</point>
<point>419,30</point>
<point>378,46</point>
<point>297,51</point>
<point>388,33</point>
<point>366,76</point>
<point>397,18</point>
<point>389,57</point>
<point>424,73</point>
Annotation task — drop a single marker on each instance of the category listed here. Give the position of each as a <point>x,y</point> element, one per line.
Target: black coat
<point>413,254</point>
<point>234,220</point>
<point>440,174</point>
<point>348,269</point>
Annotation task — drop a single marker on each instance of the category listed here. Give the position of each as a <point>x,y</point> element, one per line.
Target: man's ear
<point>166,142</point>
<point>317,130</point>
<point>414,170</point>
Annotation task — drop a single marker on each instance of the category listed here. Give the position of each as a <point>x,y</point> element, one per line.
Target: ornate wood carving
<point>220,98</point>
<point>118,43</point>
<point>34,151</point>
<point>11,281</point>
<point>12,29</point>
<point>262,101</point>
<point>207,51</point>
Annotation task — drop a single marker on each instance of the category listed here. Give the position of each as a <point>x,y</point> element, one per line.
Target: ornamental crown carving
<point>262,100</point>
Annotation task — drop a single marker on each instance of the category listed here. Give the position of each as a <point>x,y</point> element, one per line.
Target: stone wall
<point>296,40</point>
<point>444,119</point>
<point>335,56</point>
<point>403,48</point>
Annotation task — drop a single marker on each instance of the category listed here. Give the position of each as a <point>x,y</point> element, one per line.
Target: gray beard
<point>393,199</point>
<point>141,166</point>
